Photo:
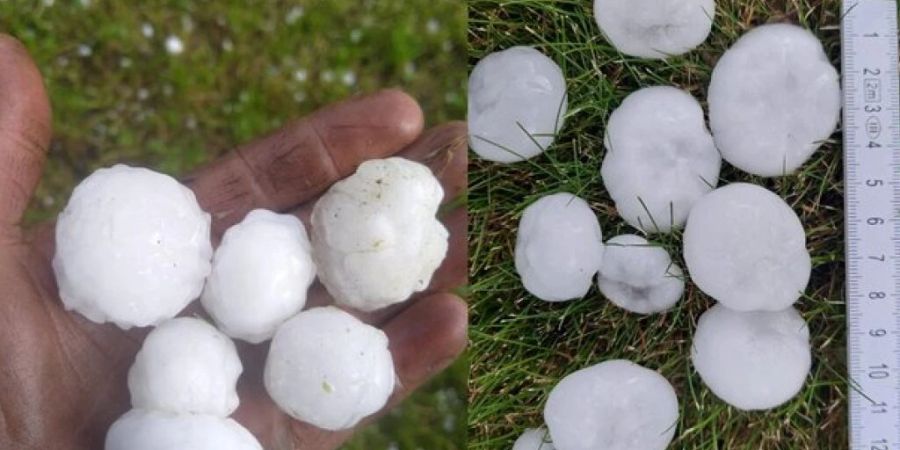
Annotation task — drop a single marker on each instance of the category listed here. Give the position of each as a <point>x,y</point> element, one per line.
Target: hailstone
<point>186,365</point>
<point>639,277</point>
<point>327,368</point>
<point>559,247</point>
<point>660,158</point>
<point>752,360</point>
<point>132,247</point>
<point>141,429</point>
<point>614,405</point>
<point>655,28</point>
<point>260,275</point>
<point>534,439</point>
<point>745,247</point>
<point>517,100</point>
<point>773,99</point>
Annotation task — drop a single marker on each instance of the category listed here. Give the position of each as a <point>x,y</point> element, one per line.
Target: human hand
<point>63,378</point>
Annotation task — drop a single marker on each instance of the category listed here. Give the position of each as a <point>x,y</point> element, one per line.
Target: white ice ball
<point>660,158</point>
<point>745,247</point>
<point>639,277</point>
<point>752,360</point>
<point>517,100</point>
<point>559,247</point>
<point>260,275</point>
<point>534,439</point>
<point>185,365</point>
<point>773,99</point>
<point>132,247</point>
<point>614,405</point>
<point>655,28</point>
<point>141,429</point>
<point>327,368</point>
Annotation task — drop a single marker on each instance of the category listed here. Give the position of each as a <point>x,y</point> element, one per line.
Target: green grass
<point>247,67</point>
<point>521,346</point>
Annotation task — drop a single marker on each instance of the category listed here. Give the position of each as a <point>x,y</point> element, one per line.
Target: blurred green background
<point>170,85</point>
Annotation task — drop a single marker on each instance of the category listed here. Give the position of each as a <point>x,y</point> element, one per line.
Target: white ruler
<point>871,130</point>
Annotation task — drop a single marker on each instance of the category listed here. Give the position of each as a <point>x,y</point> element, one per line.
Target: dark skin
<point>63,378</point>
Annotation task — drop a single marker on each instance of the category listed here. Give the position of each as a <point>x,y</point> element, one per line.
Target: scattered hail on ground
<point>655,28</point>
<point>638,276</point>
<point>141,429</point>
<point>534,439</point>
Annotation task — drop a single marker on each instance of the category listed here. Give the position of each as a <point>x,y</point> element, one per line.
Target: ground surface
<point>521,346</point>
<point>118,95</point>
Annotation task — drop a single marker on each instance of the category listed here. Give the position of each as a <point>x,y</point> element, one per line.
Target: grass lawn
<point>521,346</point>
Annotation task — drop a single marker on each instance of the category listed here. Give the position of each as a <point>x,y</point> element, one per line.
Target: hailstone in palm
<point>639,277</point>
<point>655,28</point>
<point>534,439</point>
<point>142,429</point>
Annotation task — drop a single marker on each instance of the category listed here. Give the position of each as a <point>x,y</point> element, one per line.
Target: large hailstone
<point>745,247</point>
<point>186,365</point>
<point>132,247</point>
<point>375,237</point>
<point>517,100</point>
<point>752,360</point>
<point>773,98</point>
<point>660,158</point>
<point>614,405</point>
<point>655,28</point>
<point>639,277</point>
<point>327,368</point>
<point>141,429</point>
<point>559,247</point>
<point>260,275</point>
<point>534,439</point>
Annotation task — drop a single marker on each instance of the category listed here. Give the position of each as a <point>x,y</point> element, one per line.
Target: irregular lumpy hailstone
<point>745,247</point>
<point>614,405</point>
<point>639,277</point>
<point>327,368</point>
<point>660,158</point>
<point>375,236</point>
<point>141,429</point>
<point>132,247</point>
<point>773,99</point>
<point>534,439</point>
<point>517,100</point>
<point>655,28</point>
<point>559,247</point>
<point>260,275</point>
<point>752,360</point>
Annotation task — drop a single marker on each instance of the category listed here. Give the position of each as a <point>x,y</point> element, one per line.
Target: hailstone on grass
<point>752,360</point>
<point>614,405</point>
<point>745,247</point>
<point>660,158</point>
<point>327,368</point>
<point>639,277</point>
<point>260,275</point>
<point>141,429</point>
<point>655,28</point>
<point>375,237</point>
<point>517,100</point>
<point>773,99</point>
<point>559,247</point>
<point>132,247</point>
<point>534,439</point>
<point>186,365</point>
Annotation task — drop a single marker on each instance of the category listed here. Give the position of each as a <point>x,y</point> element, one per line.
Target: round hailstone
<point>534,439</point>
<point>517,100</point>
<point>375,237</point>
<point>614,405</point>
<point>655,28</point>
<point>752,360</point>
<point>141,429</point>
<point>660,158</point>
<point>639,277</point>
<point>773,98</point>
<point>745,247</point>
<point>327,368</point>
<point>185,365</point>
<point>559,247</point>
<point>132,247</point>
<point>260,275</point>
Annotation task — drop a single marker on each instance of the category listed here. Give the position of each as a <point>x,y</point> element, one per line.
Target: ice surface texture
<point>132,247</point>
<point>660,158</point>
<point>141,429</point>
<point>260,275</point>
<point>655,28</point>
<point>517,100</point>
<point>745,247</point>
<point>639,277</point>
<point>752,360</point>
<point>773,98</point>
<point>614,405</point>
<point>559,247</point>
<point>534,439</point>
